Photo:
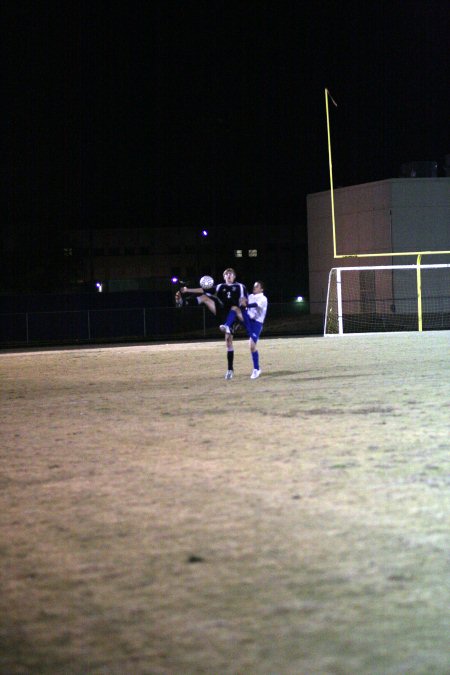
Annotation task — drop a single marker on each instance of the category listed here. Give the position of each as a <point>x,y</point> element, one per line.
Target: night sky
<point>179,112</point>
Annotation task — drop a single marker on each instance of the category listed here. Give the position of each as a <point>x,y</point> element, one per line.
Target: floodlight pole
<point>333,220</point>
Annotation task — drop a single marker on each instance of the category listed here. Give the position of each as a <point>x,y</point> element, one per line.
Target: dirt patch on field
<point>155,518</point>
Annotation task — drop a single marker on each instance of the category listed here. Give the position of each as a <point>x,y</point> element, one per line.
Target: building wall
<point>411,214</point>
<point>139,253</point>
<point>149,257</point>
<point>421,217</point>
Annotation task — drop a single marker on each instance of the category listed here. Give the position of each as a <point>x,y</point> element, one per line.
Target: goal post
<point>387,298</point>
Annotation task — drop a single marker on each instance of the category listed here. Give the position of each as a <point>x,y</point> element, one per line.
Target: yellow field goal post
<point>417,268</point>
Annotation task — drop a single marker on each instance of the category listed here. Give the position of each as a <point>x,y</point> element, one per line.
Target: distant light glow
<point>204,233</point>
<point>99,286</point>
<point>299,298</point>
<point>174,280</point>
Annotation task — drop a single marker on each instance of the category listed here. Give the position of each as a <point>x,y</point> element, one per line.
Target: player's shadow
<point>307,376</point>
<point>283,373</point>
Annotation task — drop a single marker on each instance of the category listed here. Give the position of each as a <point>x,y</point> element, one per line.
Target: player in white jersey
<point>252,312</point>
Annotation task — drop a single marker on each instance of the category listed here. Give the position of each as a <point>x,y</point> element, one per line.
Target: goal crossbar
<point>389,267</point>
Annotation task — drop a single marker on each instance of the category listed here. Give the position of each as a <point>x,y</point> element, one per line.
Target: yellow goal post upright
<point>387,254</point>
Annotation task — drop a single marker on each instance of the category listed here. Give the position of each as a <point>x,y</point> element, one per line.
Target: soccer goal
<point>387,298</point>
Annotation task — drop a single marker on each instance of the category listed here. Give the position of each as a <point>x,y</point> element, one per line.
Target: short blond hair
<point>229,269</point>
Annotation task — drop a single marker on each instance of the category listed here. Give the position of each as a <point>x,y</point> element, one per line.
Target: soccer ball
<point>206,282</point>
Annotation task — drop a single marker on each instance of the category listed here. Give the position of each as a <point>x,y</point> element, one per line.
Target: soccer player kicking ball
<point>252,312</point>
<point>220,299</point>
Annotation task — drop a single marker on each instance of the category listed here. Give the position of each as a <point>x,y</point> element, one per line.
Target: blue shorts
<point>252,326</point>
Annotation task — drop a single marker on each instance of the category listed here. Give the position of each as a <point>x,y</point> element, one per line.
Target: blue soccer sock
<point>255,357</point>
<point>231,318</point>
<point>247,322</point>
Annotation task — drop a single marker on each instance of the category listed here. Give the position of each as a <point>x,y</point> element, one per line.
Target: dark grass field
<point>155,518</point>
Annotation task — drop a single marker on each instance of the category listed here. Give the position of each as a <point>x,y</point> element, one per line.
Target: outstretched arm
<point>198,291</point>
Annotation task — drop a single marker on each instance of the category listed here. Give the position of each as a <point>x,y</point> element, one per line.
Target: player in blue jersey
<point>252,312</point>
<point>220,299</point>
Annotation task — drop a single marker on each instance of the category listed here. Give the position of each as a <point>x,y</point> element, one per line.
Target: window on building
<point>238,253</point>
<point>252,252</point>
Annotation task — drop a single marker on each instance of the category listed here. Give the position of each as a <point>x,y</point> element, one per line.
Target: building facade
<point>399,215</point>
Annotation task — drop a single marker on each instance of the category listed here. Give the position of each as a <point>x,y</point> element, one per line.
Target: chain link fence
<point>140,324</point>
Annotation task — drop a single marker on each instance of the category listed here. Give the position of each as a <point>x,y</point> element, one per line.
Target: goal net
<point>387,298</point>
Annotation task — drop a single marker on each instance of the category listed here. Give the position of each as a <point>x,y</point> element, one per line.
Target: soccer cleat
<point>235,327</point>
<point>225,329</point>
<point>229,375</point>
<point>256,373</point>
